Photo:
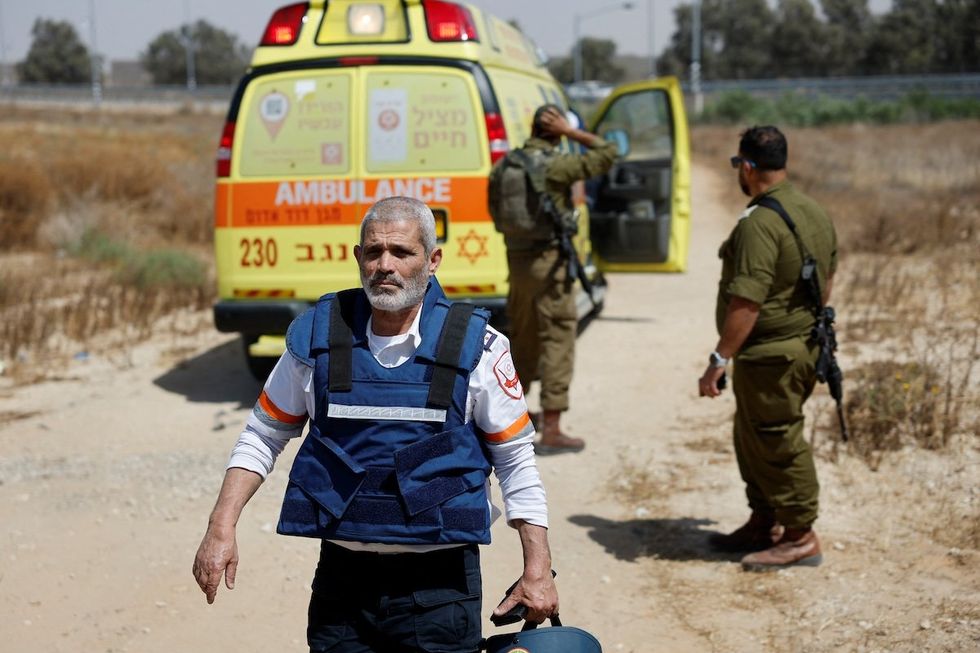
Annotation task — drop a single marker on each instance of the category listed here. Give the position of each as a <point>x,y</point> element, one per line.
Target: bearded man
<point>408,415</point>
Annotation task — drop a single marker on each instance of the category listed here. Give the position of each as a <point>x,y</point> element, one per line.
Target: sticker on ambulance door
<point>273,109</point>
<point>387,128</point>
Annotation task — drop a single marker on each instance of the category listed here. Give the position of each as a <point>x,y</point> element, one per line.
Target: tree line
<point>740,39</point>
<point>58,56</point>
<point>756,39</point>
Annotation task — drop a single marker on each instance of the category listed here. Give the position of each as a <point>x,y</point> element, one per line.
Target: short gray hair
<point>392,209</point>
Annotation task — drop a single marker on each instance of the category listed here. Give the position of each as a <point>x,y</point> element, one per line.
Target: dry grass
<point>106,225</point>
<point>119,168</point>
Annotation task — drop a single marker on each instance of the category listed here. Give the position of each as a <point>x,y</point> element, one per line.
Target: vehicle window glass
<point>296,124</point>
<point>646,118</point>
<point>421,121</point>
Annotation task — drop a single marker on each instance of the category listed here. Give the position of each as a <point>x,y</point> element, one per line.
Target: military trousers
<point>543,323</point>
<point>771,383</point>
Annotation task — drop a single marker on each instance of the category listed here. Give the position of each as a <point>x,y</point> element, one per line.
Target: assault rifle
<point>827,369</point>
<point>564,230</point>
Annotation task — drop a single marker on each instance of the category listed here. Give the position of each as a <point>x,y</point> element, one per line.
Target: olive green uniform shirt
<point>564,169</point>
<point>761,263</point>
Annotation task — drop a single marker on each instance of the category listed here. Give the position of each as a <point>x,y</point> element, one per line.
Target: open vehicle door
<point>641,209</point>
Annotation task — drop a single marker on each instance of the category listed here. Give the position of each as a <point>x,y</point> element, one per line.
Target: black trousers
<point>396,603</point>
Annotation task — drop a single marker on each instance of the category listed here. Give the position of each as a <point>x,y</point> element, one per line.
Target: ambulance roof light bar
<point>285,24</point>
<point>366,20</point>
<point>448,21</point>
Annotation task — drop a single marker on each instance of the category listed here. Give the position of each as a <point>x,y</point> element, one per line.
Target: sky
<point>123,28</point>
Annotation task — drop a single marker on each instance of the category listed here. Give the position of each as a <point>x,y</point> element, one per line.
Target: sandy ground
<point>108,473</point>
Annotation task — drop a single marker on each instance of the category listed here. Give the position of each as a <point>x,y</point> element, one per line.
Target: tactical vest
<point>389,457</point>
<point>517,198</point>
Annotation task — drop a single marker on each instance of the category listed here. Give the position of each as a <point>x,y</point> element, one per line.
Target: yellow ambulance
<point>350,101</point>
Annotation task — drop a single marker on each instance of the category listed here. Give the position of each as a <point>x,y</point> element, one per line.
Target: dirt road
<point>109,471</point>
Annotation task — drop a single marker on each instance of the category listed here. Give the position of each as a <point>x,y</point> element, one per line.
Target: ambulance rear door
<point>640,210</point>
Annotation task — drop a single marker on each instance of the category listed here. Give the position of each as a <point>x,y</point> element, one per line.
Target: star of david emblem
<point>472,246</point>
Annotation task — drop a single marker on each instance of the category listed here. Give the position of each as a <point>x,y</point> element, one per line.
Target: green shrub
<point>97,247</point>
<point>164,268</point>
<point>806,110</point>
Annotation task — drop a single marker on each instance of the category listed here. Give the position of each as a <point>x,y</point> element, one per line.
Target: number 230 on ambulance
<point>347,102</point>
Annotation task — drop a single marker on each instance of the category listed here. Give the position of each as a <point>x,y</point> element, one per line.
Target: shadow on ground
<point>666,539</point>
<point>218,375</point>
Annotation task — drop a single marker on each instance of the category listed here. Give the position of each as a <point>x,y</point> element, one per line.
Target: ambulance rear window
<point>422,121</point>
<point>296,124</point>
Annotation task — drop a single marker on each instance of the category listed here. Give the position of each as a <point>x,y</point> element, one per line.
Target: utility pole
<point>4,72</point>
<point>189,48</point>
<point>696,58</point>
<point>94,59</point>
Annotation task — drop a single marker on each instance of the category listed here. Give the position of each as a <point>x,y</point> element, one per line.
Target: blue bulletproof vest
<point>389,457</point>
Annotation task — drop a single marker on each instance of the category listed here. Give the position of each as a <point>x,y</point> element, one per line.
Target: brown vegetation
<point>105,221</point>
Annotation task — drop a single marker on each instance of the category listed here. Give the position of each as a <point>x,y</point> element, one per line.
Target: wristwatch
<point>717,360</point>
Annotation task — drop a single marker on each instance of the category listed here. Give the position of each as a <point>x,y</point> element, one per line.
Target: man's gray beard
<point>410,294</point>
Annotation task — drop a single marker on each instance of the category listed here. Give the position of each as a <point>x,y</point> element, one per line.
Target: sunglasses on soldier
<point>736,161</point>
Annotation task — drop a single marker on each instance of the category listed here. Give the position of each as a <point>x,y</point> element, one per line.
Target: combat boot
<point>760,532</point>
<point>797,547</point>
<point>552,439</point>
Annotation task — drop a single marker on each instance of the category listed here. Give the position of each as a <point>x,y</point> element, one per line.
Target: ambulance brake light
<point>284,26</point>
<point>448,21</point>
<point>497,136</point>
<point>223,167</point>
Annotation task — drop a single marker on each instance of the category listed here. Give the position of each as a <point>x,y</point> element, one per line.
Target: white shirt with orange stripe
<point>495,401</point>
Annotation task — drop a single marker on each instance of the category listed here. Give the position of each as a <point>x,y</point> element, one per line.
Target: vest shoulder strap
<point>448,351</point>
<point>341,342</point>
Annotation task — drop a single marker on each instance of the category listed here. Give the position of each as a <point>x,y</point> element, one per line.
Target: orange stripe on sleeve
<point>278,414</point>
<point>509,432</point>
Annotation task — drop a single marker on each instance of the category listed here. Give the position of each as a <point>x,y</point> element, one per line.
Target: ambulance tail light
<point>448,21</point>
<point>223,167</point>
<point>497,135</point>
<point>284,26</point>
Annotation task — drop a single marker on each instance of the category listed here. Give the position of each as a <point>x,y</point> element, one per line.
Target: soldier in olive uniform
<point>541,303</point>
<point>764,321</point>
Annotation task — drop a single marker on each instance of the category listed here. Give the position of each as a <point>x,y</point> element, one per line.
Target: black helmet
<point>556,639</point>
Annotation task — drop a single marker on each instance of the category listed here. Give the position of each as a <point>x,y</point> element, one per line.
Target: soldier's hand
<point>217,556</point>
<point>708,383</point>
<point>554,123</point>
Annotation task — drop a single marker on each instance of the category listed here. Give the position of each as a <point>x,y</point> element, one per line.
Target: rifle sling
<point>773,204</point>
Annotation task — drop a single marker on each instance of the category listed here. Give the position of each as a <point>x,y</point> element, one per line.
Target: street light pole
<point>650,35</point>
<point>577,45</point>
<point>696,58</point>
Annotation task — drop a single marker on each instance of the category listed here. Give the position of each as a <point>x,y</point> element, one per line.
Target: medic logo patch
<point>506,375</point>
<point>488,340</point>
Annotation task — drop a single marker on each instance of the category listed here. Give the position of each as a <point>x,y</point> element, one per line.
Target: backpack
<point>516,192</point>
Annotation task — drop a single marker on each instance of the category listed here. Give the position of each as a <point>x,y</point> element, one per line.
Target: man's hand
<point>217,555</point>
<point>536,588</point>
<point>554,123</point>
<point>708,383</point>
<point>537,593</point>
